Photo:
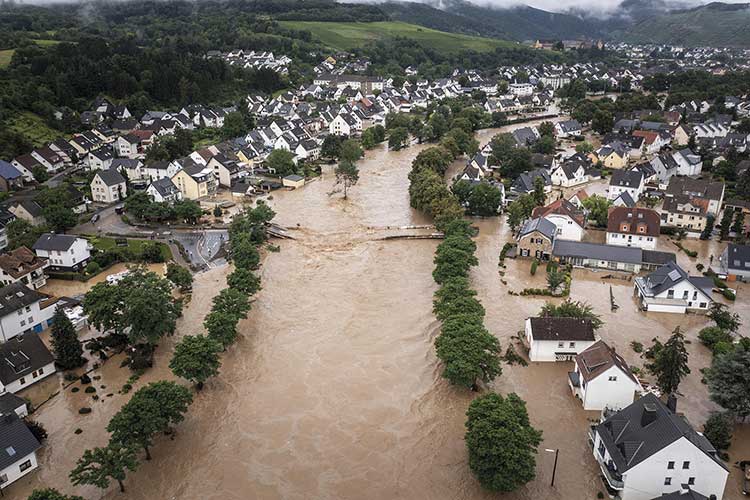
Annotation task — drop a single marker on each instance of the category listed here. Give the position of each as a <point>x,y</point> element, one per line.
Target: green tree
<point>572,309</point>
<point>347,175</point>
<point>373,136</point>
<point>243,251</point>
<point>398,138</point>
<point>187,210</point>
<point>100,465</point>
<point>520,210</point>
<point>196,358</point>
<point>331,146</point>
<point>40,173</point>
<point>729,380</point>
<point>180,276</point>
<point>244,280</point>
<point>738,226</point>
<point>485,199</point>
<point>723,318</point>
<point>555,278</point>
<point>539,195</point>
<point>710,336</point>
<point>501,442</point>
<point>670,363</point>
<point>546,129</point>
<point>233,302</point>
<point>221,327</point>
<point>545,145</point>
<point>709,228</point>
<point>718,430</point>
<point>584,148</point>
<point>281,162</point>
<point>350,151</point>
<point>22,234</point>
<point>598,209</point>
<point>234,126</point>
<point>65,344</point>
<point>469,352</point>
<point>602,122</point>
<point>59,217</point>
<point>51,494</point>
<point>152,410</point>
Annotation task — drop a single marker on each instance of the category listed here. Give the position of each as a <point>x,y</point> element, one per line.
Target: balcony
<point>613,478</point>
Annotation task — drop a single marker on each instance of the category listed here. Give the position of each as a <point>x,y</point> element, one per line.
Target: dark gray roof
<point>658,258</point>
<point>17,296</point>
<point>22,355</point>
<point>165,186</point>
<point>738,257</point>
<point>626,178</point>
<point>613,253</point>
<point>111,177</point>
<point>679,495</point>
<point>33,208</point>
<point>665,277</point>
<point>644,428</point>
<point>540,224</point>
<point>9,402</point>
<point>16,440</point>
<point>52,241</point>
<point>562,329</point>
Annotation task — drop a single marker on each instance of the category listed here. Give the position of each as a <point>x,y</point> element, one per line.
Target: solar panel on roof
<point>674,275</point>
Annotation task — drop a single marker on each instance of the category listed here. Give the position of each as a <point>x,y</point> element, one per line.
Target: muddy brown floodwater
<point>334,391</point>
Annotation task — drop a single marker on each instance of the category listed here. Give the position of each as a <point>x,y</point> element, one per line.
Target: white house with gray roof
<point>625,181</point>
<point>602,379</point>
<point>670,289</point>
<point>21,311</point>
<point>108,186</point>
<point>558,339</point>
<point>647,450</point>
<point>18,448</point>
<point>64,252</point>
<point>24,361</point>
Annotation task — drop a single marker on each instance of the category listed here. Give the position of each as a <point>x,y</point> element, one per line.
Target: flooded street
<point>334,391</point>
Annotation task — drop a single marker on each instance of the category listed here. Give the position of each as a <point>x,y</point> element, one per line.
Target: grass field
<point>136,246</point>
<point>5,57</point>
<point>345,36</point>
<point>34,128</point>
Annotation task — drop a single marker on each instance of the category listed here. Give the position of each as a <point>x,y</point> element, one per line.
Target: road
<point>202,247</point>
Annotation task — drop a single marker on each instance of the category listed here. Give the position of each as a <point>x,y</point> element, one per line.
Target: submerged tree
<point>99,466</point>
<point>196,358</point>
<point>501,442</point>
<point>670,363</point>
<point>347,175</point>
<point>65,344</point>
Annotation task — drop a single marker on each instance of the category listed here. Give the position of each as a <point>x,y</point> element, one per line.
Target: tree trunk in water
<point>148,453</point>
<point>122,486</point>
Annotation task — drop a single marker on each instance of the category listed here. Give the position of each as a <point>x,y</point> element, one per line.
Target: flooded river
<point>333,390</point>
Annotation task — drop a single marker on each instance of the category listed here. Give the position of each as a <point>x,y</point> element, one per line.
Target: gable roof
<point>626,178</point>
<point>539,224</point>
<point>561,207</point>
<point>17,296</point>
<point>598,358</point>
<point>8,171</point>
<point>20,262</point>
<point>738,257</point>
<point>644,428</point>
<point>110,177</point>
<point>16,440</point>
<point>52,241</point>
<point>556,329</point>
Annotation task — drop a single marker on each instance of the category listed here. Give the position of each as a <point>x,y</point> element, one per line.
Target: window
<point>20,312</point>
<point>685,294</point>
<point>23,322</point>
<point>28,309</point>
<point>702,305</point>
<point>613,378</point>
<point>560,345</point>
<point>572,345</point>
<point>670,294</point>
<point>22,380</point>
<point>667,481</point>
<point>25,466</point>
<point>685,465</point>
<point>41,370</point>
<point>4,479</point>
<point>670,465</point>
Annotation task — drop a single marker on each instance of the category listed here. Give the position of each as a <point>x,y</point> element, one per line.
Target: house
<point>293,181</point>
<point>26,164</point>
<point>23,310</point>
<point>569,174</point>
<point>613,155</point>
<point>633,227</point>
<point>65,149</point>
<point>344,124</point>
<point>625,181</point>
<point>685,212</point>
<point>19,446</point>
<point>524,183</point>
<point>129,168</point>
<point>28,210</point>
<point>568,219</point>
<point>22,265</point>
<point>6,218</point>
<point>734,262</point>
<point>163,191</point>
<point>195,181</point>
<point>10,403</point>
<point>712,192</point>
<point>65,252</point>
<point>77,199</point>
<point>558,339</point>
<point>99,159</point>
<point>108,186</point>
<point>602,379</point>
<point>24,361</point>
<point>159,170</point>
<point>610,257</point>
<point>569,128</point>
<point>578,198</point>
<point>49,159</point>
<point>226,170</point>
<point>128,146</point>
<point>10,177</point>
<point>536,237</point>
<point>647,449</point>
<point>670,289</point>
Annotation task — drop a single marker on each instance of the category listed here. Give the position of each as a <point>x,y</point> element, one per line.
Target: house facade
<point>64,252</point>
<point>670,289</point>
<point>23,311</point>
<point>23,266</point>
<point>633,227</point>
<point>646,450</point>
<point>25,361</point>
<point>536,238</point>
<point>557,339</point>
<point>602,379</point>
<point>108,186</point>
<point>734,262</point>
<point>19,446</point>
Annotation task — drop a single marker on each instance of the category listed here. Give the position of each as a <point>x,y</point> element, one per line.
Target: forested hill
<point>715,24</point>
<point>515,23</point>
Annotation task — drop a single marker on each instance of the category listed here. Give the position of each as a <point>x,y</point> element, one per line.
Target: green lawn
<point>33,127</point>
<point>345,36</point>
<point>136,246</point>
<point>5,57</point>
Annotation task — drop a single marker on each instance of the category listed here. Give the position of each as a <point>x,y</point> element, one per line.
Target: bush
<point>93,268</point>
<point>718,430</point>
<point>37,429</point>
<point>718,283</point>
<point>637,346</point>
<point>85,410</point>
<point>728,294</point>
<point>712,335</point>
<point>534,265</point>
<point>151,252</point>
<point>90,389</point>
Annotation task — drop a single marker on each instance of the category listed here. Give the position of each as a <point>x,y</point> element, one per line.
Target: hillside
<point>715,24</point>
<point>515,23</point>
<point>346,36</point>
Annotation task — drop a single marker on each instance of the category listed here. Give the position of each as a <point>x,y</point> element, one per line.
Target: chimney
<point>672,403</point>
<point>649,414</point>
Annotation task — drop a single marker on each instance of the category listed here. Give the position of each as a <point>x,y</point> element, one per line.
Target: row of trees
<point>142,207</point>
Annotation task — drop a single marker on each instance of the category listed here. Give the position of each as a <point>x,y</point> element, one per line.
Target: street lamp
<point>554,467</point>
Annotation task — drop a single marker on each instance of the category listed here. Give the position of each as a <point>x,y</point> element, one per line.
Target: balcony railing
<point>613,478</point>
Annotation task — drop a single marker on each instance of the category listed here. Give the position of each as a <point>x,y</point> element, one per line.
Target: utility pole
<point>554,467</point>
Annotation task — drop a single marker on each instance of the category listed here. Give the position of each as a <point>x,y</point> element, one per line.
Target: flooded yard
<point>334,390</point>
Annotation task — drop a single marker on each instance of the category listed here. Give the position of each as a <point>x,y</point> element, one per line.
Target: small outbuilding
<point>293,181</point>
